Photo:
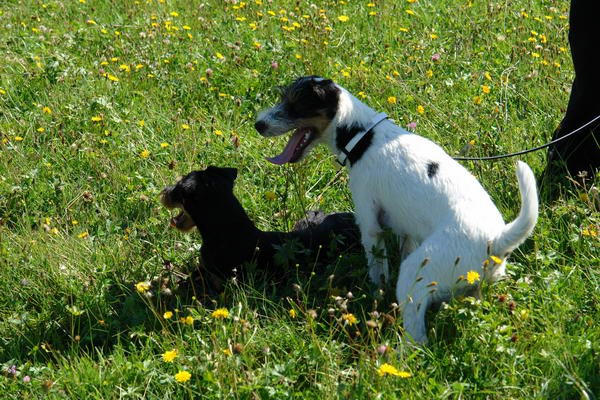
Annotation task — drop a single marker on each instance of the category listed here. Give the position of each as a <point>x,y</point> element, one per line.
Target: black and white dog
<point>230,239</point>
<point>449,224</point>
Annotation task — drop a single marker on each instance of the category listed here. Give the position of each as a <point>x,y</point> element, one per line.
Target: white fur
<point>447,217</point>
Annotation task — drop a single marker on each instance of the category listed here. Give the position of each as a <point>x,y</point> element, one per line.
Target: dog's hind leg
<point>414,297</point>
<point>407,246</point>
<point>417,288</point>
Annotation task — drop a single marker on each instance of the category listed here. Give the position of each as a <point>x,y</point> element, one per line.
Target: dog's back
<point>421,188</point>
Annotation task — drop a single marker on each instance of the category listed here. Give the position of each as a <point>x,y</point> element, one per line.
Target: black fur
<point>230,240</point>
<point>310,96</point>
<point>432,169</point>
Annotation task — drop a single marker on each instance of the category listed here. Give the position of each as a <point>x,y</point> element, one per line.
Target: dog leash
<point>518,153</point>
<point>345,152</point>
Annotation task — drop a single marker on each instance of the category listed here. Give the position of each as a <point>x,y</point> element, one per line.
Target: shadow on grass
<point>125,311</point>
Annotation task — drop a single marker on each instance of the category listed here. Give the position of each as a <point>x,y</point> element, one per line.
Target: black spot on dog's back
<point>432,169</point>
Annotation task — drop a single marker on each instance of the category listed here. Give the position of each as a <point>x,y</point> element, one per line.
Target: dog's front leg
<point>367,217</point>
<point>376,257</point>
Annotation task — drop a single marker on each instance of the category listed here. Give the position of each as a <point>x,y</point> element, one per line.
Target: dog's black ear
<point>324,88</point>
<point>229,173</point>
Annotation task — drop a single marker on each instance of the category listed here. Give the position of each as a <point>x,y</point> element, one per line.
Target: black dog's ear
<point>229,173</point>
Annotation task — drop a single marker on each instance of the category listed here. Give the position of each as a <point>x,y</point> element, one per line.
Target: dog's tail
<point>518,230</point>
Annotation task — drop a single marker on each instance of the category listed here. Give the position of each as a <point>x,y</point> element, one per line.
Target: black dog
<point>230,240</point>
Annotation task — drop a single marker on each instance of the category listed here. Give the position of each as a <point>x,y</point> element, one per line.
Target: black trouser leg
<point>581,152</point>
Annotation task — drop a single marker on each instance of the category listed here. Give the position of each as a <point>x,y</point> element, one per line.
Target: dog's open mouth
<point>182,221</point>
<point>295,147</point>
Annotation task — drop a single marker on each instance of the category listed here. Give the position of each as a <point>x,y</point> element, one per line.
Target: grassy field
<point>102,103</point>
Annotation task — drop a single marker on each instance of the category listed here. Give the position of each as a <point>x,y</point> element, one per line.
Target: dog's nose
<point>261,126</point>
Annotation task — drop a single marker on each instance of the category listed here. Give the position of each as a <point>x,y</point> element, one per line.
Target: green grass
<point>80,221</point>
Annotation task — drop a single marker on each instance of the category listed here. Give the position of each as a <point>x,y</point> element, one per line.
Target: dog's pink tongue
<point>287,153</point>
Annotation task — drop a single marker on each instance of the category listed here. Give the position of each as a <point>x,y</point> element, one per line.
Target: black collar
<point>358,139</point>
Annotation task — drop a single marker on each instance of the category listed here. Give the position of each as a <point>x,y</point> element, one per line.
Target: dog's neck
<point>352,118</point>
<point>223,220</point>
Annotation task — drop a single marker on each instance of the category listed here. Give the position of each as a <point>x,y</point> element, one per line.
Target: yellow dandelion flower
<point>96,118</point>
<point>227,352</point>
<point>387,369</point>
<point>83,235</point>
<point>472,277</point>
<point>219,55</point>
<point>350,319</point>
<point>535,55</point>
<point>164,145</point>
<point>496,260</point>
<point>183,376</point>
<point>47,110</point>
<point>410,12</point>
<point>112,78</point>
<point>485,89</point>
<point>169,356</point>
<point>2,91</point>
<point>429,73</point>
<point>145,154</point>
<point>142,287</point>
<point>343,18</point>
<point>141,122</point>
<point>174,14</point>
<point>420,109</point>
<point>185,127</point>
<point>487,76</point>
<point>292,313</point>
<point>18,138</point>
<point>477,100</point>
<point>189,320</point>
<point>218,132</point>
<point>362,95</point>
<point>168,315</point>
<point>591,232</point>
<point>220,313</point>
<point>270,195</point>
<point>403,30</point>
<point>392,100</point>
<point>41,129</point>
